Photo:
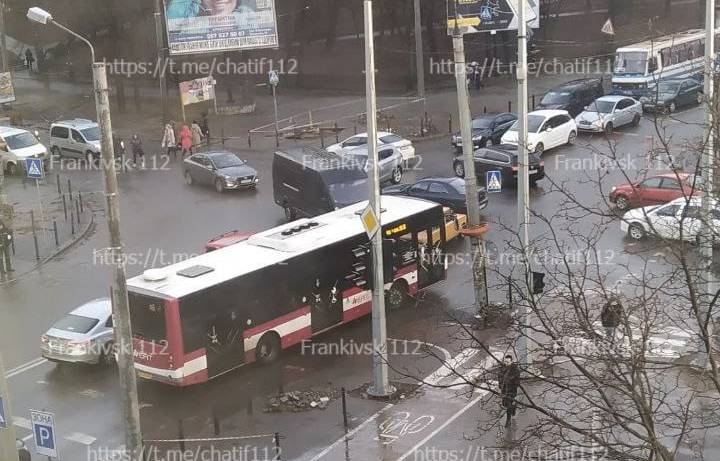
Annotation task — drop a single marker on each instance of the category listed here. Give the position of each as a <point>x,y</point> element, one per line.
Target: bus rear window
<point>147,316</point>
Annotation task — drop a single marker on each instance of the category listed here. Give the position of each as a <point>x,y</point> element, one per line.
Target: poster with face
<point>206,26</point>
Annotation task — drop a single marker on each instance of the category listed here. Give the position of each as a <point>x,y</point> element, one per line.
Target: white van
<point>78,138</point>
<point>16,145</point>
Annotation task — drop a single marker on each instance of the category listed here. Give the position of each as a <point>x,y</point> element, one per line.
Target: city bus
<point>203,317</point>
<point>638,67</point>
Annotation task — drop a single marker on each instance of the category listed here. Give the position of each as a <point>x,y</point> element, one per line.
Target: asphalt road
<point>164,221</point>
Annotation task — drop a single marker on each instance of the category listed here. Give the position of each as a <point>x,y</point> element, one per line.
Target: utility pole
<point>708,163</point>
<point>471,186</point>
<point>162,67</point>
<point>3,39</point>
<point>381,386</point>
<point>419,57</point>
<point>523,186</point>
<point>8,450</point>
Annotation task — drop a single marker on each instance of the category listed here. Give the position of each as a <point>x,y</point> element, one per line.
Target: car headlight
<point>229,178</point>
<point>477,138</point>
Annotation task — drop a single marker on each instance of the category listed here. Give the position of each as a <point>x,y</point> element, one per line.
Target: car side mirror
<point>548,129</point>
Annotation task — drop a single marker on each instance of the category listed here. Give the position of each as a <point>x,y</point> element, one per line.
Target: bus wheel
<point>396,295</point>
<point>268,348</point>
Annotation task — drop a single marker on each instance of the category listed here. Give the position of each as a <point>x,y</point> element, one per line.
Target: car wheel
<point>89,157</point>
<point>636,120</point>
<point>268,348</point>
<point>539,149</point>
<point>622,203</point>
<point>188,178</point>
<point>397,175</point>
<point>219,186</point>
<point>699,98</point>
<point>290,214</point>
<point>11,169</point>
<point>56,152</point>
<point>459,168</point>
<point>636,232</point>
<point>609,128</point>
<point>671,108</point>
<point>396,296</point>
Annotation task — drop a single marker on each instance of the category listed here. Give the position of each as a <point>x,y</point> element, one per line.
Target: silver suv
<point>78,138</point>
<point>390,160</point>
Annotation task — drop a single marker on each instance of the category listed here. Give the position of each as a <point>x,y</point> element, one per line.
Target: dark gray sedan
<point>224,170</point>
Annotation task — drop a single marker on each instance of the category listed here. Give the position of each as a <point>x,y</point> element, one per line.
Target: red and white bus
<point>208,315</point>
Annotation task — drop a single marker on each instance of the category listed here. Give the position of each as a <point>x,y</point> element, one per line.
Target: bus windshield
<point>147,317</point>
<point>630,62</point>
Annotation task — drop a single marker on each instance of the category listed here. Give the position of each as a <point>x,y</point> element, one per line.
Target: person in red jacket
<point>186,140</point>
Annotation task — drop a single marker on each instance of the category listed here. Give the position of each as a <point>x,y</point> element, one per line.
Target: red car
<point>226,239</point>
<point>655,190</point>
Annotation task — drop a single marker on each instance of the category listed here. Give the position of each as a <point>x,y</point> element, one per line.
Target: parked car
<point>680,219</point>
<point>609,112</point>
<point>670,94</point>
<point>308,182</point>
<point>501,158</point>
<point>390,161</point>
<point>85,335</point>
<point>449,192</point>
<point>226,239</point>
<point>572,96</point>
<point>546,129</point>
<point>655,190</point>
<point>223,169</point>
<point>405,146</point>
<point>78,138</point>
<point>16,145</point>
<point>489,127</point>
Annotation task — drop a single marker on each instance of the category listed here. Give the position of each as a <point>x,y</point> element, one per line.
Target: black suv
<point>501,158</point>
<point>573,96</point>
<point>488,127</point>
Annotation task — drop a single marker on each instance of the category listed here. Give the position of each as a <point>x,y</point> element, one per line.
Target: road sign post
<point>8,450</point>
<point>43,427</point>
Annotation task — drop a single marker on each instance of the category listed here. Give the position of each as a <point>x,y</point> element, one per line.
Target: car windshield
<point>21,140</point>
<point>601,107</point>
<point>391,138</point>
<point>630,62</point>
<point>349,192</point>
<point>76,323</point>
<point>481,123</point>
<point>534,123</point>
<point>226,161</point>
<point>91,134</point>
<point>556,97</point>
<point>667,87</point>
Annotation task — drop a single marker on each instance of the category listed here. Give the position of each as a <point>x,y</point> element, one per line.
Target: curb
<point>60,250</point>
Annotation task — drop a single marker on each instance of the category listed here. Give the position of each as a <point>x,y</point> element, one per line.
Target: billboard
<point>207,26</point>
<point>198,90</point>
<point>486,15</point>
<point>7,92</point>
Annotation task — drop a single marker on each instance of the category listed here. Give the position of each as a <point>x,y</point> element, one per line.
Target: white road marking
<point>449,367</point>
<point>81,438</point>
<point>473,373</point>
<point>25,367</point>
<point>22,422</point>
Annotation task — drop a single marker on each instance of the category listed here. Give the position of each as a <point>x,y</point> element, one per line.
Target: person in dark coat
<point>509,383</point>
<point>611,316</point>
<point>29,59</point>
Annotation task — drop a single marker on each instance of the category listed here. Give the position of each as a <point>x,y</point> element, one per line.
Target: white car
<point>546,129</point>
<point>679,219</point>
<point>16,146</point>
<point>609,112</point>
<point>384,138</point>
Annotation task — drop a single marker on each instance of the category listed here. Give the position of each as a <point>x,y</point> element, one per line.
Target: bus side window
<point>652,65</point>
<point>665,55</point>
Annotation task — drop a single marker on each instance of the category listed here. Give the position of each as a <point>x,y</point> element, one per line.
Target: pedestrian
<point>29,60</point>
<point>611,316</point>
<point>205,126</point>
<point>197,134</point>
<point>168,140</point>
<point>137,150</point>
<point>509,382</point>
<point>185,140</point>
<point>5,248</point>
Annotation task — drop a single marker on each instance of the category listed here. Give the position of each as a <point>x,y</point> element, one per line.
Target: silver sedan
<point>609,112</point>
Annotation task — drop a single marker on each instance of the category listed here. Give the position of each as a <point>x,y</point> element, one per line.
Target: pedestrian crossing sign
<point>485,13</point>
<point>3,420</point>
<point>34,168</point>
<point>493,181</point>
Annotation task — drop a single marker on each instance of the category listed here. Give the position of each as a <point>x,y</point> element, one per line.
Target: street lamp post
<point>274,81</point>
<point>121,310</point>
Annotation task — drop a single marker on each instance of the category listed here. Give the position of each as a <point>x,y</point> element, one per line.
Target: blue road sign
<point>485,13</point>
<point>34,168</point>
<point>493,181</point>
<point>43,425</point>
<point>3,420</point>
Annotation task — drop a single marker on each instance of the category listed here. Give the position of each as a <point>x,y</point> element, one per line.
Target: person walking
<point>611,317</point>
<point>137,150</point>
<point>6,238</point>
<point>168,140</point>
<point>509,383</point>
<point>186,143</point>
<point>29,60</point>
<point>197,134</point>
<point>205,126</point>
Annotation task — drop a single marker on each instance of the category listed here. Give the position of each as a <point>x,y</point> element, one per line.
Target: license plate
<point>533,171</point>
<point>246,181</point>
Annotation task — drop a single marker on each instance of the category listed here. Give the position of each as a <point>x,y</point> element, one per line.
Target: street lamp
<point>121,310</point>
<point>274,79</point>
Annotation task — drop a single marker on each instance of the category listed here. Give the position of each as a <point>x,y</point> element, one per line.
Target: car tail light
<point>171,362</point>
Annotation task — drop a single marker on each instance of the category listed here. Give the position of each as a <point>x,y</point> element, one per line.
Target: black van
<point>308,182</point>
<point>573,96</point>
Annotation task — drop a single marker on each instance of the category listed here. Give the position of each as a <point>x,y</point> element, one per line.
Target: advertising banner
<point>198,90</point>
<point>207,26</point>
<point>473,16</point>
<point>7,92</point>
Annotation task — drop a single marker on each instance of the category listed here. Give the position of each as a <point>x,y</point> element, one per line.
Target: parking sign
<point>43,426</point>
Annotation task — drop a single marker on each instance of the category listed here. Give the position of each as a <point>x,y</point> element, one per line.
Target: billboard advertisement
<point>208,26</point>
<point>7,92</point>
<point>473,16</point>
<point>198,90</point>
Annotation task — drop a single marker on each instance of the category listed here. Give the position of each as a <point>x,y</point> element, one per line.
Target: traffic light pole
<point>8,450</point>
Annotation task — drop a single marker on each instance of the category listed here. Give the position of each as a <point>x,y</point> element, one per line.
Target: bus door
<point>430,254</point>
<point>224,343</point>
<point>326,303</point>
